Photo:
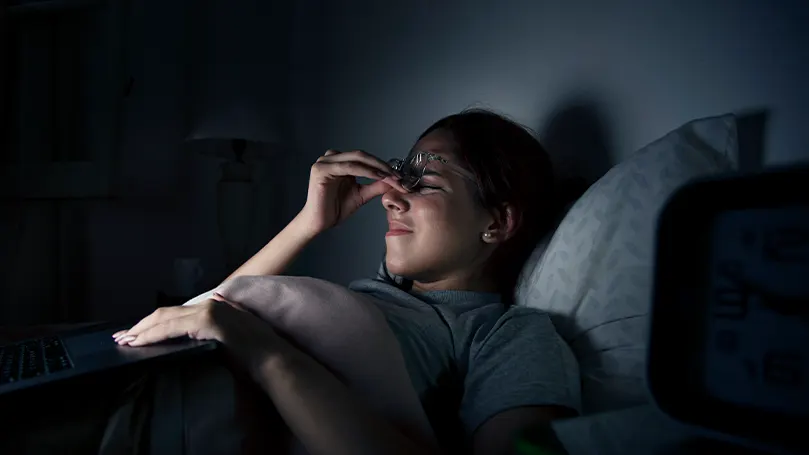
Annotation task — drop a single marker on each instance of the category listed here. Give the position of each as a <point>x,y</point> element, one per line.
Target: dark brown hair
<point>511,167</point>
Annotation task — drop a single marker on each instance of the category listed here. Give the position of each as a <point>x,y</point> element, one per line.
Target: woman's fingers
<point>172,328</point>
<point>157,316</point>
<point>172,322</point>
<point>359,156</point>
<point>328,153</point>
<point>357,163</point>
<point>396,183</point>
<point>368,192</point>
<point>349,168</point>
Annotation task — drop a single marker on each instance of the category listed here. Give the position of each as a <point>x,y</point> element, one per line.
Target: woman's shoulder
<point>517,323</point>
<point>384,290</point>
<point>371,285</point>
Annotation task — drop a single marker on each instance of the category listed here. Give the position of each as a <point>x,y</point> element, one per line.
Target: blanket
<point>343,330</point>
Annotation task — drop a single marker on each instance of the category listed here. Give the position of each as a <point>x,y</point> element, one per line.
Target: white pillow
<point>595,275</point>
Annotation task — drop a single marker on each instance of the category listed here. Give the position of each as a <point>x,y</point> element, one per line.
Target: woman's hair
<point>512,167</point>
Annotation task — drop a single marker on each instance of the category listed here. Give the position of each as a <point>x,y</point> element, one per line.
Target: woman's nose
<point>394,200</point>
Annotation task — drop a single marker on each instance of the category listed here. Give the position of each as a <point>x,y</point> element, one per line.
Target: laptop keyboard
<point>32,358</point>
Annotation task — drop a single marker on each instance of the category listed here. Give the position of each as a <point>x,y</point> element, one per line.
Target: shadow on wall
<point>576,139</point>
<point>751,126</point>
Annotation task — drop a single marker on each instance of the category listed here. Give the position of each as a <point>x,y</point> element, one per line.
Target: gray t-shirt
<point>470,358</point>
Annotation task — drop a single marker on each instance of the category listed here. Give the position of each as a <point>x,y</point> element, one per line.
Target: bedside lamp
<point>237,139</point>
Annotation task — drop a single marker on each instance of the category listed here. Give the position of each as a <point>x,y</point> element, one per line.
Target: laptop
<point>74,353</point>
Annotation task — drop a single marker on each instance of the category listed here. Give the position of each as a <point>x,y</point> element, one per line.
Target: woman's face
<point>435,231</point>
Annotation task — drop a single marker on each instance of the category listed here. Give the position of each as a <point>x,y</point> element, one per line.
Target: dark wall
<point>372,75</point>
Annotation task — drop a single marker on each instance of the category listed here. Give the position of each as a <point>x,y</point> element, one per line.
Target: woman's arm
<point>333,196</point>
<point>276,255</point>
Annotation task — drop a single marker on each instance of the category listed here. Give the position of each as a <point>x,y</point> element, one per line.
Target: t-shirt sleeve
<point>522,361</point>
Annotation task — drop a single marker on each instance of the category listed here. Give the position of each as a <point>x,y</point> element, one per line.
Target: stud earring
<point>487,235</point>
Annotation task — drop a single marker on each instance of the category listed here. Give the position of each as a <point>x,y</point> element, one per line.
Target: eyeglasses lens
<point>410,170</point>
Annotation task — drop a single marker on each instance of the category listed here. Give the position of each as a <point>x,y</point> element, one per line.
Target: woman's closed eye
<point>421,187</point>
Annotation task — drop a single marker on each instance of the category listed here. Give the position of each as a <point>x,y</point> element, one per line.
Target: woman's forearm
<point>276,255</point>
<point>321,411</point>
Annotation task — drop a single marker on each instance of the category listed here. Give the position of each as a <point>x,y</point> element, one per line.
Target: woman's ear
<point>506,221</point>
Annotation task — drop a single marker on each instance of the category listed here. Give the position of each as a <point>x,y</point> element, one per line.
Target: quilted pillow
<point>595,275</point>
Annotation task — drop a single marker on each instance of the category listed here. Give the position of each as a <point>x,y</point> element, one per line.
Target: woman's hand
<point>244,334</point>
<point>334,193</point>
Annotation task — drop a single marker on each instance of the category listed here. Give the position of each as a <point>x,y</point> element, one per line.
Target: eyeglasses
<point>411,169</point>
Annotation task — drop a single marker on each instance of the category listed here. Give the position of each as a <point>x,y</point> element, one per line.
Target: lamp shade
<point>236,77</point>
<point>216,124</point>
<point>234,119</point>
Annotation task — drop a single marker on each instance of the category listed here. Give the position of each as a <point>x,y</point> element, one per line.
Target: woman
<point>464,209</point>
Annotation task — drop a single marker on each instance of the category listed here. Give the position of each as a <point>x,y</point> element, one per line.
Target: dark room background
<point>348,75</point>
